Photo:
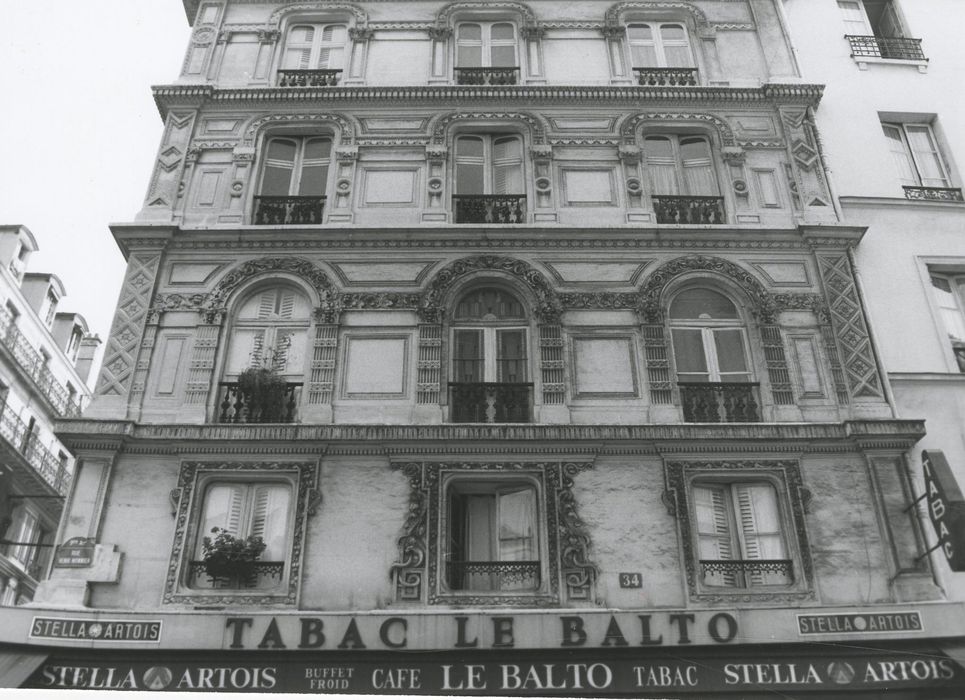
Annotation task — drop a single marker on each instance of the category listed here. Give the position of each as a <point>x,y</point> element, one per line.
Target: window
<point>23,532</point>
<point>294,180</point>
<point>493,540</point>
<point>660,54</point>
<point>739,539</point>
<point>73,342</point>
<point>918,161</point>
<point>948,294</point>
<point>874,29</point>
<point>314,55</point>
<point>269,332</point>
<point>682,179</point>
<point>257,509</point>
<point>489,360</point>
<point>49,307</point>
<point>486,45</point>
<point>489,179</point>
<point>710,353</point>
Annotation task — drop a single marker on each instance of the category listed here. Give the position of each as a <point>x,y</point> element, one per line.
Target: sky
<point>79,131</point>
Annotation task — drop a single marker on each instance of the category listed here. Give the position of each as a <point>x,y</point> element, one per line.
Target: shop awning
<point>16,665</point>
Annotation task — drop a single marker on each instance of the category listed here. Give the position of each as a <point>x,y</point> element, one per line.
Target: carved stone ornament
<point>436,154</point>
<point>445,15</point>
<point>614,15</point>
<point>178,586</point>
<point>630,126</point>
<point>345,127</point>
<point>537,125</point>
<point>431,306</point>
<point>418,573</point>
<point>440,33</point>
<point>361,34</point>
<point>532,32</point>
<point>785,476</point>
<point>613,32</point>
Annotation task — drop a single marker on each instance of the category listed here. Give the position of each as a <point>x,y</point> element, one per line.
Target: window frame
<point>658,43</point>
<point>486,42</point>
<point>193,482</point>
<point>298,163</point>
<point>318,44</point>
<point>708,328</point>
<point>675,138</point>
<point>956,283</point>
<point>911,156</point>
<point>792,501</point>
<point>489,161</point>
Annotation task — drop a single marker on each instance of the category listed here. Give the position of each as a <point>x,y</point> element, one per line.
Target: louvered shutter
<point>224,506</point>
<point>470,165</point>
<point>269,519</point>
<point>714,533</point>
<point>289,350</point>
<point>298,49</point>
<point>507,166</point>
<point>760,527</point>
<point>331,48</point>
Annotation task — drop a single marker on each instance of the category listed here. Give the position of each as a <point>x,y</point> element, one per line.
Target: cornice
<point>180,96</point>
<point>87,434</point>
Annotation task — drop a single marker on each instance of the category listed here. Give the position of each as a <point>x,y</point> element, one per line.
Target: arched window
<point>294,179</point>
<point>489,359</point>
<point>486,53</point>
<point>682,179</point>
<point>711,357</point>
<point>266,357</point>
<point>489,179</point>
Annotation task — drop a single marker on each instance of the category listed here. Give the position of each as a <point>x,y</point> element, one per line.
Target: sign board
<point>75,553</point>
<point>619,673</point>
<point>95,630</point>
<point>860,623</point>
<point>631,580</point>
<point>946,507</point>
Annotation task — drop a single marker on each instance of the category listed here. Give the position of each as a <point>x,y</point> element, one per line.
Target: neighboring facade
<point>45,358</point>
<point>527,338</point>
<point>896,157</point>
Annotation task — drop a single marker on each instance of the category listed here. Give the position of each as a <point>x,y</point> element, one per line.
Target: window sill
<point>863,62</point>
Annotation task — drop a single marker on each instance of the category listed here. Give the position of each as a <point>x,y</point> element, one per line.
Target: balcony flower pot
<point>263,390</point>
<point>230,560</point>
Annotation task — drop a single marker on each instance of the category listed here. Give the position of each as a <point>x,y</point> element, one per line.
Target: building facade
<point>501,348</point>
<point>45,359</point>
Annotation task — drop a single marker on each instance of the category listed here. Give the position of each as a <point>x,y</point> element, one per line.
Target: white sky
<point>79,131</point>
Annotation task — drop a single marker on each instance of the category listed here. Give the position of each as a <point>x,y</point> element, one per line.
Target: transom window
<point>659,45</point>
<point>914,150</point>
<point>948,292</point>
<point>315,46</point>
<point>495,352</point>
<point>489,164</point>
<point>739,536</point>
<point>486,45</point>
<point>708,338</point>
<point>680,165</point>
<point>493,536</point>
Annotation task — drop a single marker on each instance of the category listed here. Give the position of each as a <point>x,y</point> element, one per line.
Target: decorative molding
<point>614,13</point>
<point>431,306</point>
<point>599,300</point>
<point>536,124</point>
<point>444,17</point>
<point>368,301</point>
<point>678,477</point>
<point>186,532</point>
<point>278,15</point>
<point>629,126</point>
<point>345,126</point>
<point>417,572</point>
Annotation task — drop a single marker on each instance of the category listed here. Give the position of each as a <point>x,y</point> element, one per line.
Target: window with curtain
<point>914,150</point>
<point>489,343</point>
<point>255,509</point>
<point>680,165</point>
<point>493,536</point>
<point>489,164</point>
<point>270,330</point>
<point>659,45</point>
<point>740,542</point>
<point>486,45</point>
<point>315,47</point>
<point>948,292</point>
<point>708,337</point>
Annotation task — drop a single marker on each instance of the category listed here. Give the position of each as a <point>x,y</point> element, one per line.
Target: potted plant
<point>263,390</point>
<point>230,559</point>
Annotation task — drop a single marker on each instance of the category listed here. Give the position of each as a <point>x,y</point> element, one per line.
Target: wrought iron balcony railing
<point>280,211</point>
<point>673,77</point>
<point>237,406</point>
<point>726,402</point>
<point>493,575</point>
<point>489,208</point>
<point>674,209</point>
<point>309,78</point>
<point>487,76</point>
<point>35,367</point>
<point>741,573</point>
<point>44,462</point>
<point>934,194</point>
<point>248,574</point>
<point>490,402</point>
<point>891,47</point>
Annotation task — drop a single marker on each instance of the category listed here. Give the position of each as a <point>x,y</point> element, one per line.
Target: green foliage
<point>227,550</point>
<point>264,394</point>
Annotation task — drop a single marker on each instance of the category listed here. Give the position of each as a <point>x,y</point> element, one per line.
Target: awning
<point>955,648</point>
<point>16,665</point>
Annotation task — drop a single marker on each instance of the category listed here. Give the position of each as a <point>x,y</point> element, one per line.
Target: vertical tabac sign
<point>946,507</point>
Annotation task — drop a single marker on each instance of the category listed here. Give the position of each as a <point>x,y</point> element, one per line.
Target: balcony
<point>44,462</point>
<point>309,78</point>
<point>742,573</point>
<point>490,402</point>
<point>934,194</point>
<point>487,76</point>
<point>238,406</point>
<point>889,47</point>
<point>493,575</point>
<point>248,574</point>
<point>728,402</point>
<point>35,366</point>
<point>688,210</point>
<point>489,208</point>
<point>288,211</point>
<point>666,77</point>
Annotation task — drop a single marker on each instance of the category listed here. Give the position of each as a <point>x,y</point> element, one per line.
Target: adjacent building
<point>45,359</point>
<point>493,347</point>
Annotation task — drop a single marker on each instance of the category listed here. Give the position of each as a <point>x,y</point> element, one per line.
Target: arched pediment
<point>314,276</point>
<point>361,18</point>
<point>432,304</point>
<point>614,15</point>
<point>444,17</point>
<point>629,127</point>
<point>652,293</point>
<point>341,123</point>
<point>443,124</point>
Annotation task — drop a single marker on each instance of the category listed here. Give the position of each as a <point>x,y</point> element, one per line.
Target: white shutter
<point>507,166</point>
<point>714,535</point>
<point>269,519</point>
<point>245,350</point>
<point>760,527</point>
<point>223,508</point>
<point>286,305</point>
<point>266,303</point>
<point>517,525</point>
